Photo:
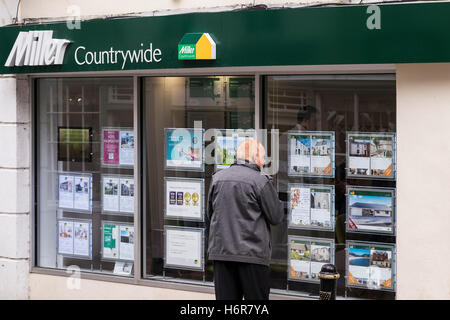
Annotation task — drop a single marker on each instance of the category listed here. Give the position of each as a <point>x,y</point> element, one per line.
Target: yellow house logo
<point>197,46</point>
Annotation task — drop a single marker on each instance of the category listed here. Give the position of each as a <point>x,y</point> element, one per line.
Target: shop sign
<point>37,48</point>
<point>197,46</point>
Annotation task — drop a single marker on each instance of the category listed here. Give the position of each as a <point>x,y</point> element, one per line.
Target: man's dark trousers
<point>237,280</point>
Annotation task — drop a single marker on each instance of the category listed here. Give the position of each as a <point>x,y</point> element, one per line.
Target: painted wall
<point>423,183</point>
<point>8,11</point>
<point>95,290</point>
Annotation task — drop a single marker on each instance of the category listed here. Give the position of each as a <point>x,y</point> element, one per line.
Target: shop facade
<point>116,129</point>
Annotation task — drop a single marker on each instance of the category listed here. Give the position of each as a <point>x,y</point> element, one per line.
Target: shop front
<point>131,118</point>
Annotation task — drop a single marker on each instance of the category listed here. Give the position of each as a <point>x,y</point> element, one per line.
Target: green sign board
<point>408,33</point>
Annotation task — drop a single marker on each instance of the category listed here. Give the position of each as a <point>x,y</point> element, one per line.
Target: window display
<point>371,155</point>
<point>184,199</point>
<point>311,153</point>
<point>370,210</point>
<point>371,265</point>
<point>311,206</point>
<point>85,168</point>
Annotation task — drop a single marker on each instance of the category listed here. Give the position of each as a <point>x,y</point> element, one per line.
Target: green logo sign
<point>186,51</point>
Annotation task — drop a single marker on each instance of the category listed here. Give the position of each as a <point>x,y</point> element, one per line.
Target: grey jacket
<point>242,204</point>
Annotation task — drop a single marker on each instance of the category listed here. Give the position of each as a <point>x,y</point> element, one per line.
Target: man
<point>306,118</point>
<point>242,204</point>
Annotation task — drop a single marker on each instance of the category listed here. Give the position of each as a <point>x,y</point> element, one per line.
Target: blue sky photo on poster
<point>184,148</point>
<point>370,211</point>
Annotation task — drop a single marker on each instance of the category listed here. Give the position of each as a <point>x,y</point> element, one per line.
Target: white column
<point>14,188</point>
<point>423,187</point>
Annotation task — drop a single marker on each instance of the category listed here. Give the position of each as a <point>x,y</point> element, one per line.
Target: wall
<point>95,290</point>
<point>423,183</point>
<point>15,188</point>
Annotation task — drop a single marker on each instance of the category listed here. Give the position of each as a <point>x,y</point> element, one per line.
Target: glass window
<point>85,174</point>
<point>180,119</point>
<point>305,109</point>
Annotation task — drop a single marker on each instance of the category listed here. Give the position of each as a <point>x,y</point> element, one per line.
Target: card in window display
<point>359,265</point>
<point>184,149</point>
<point>321,154</point>
<point>126,246</point>
<point>126,201</point>
<point>227,142</point>
<point>300,205</point>
<point>66,191</point>
<point>82,193</point>
<point>82,236</point>
<point>110,241</point>
<point>111,146</point>
<point>370,210</point>
<point>300,259</point>
<point>381,262</point>
<point>126,153</point>
<point>321,207</point>
<point>184,198</point>
<point>123,268</point>
<point>184,248</point>
<point>320,254</point>
<point>111,194</point>
<point>381,156</point>
<point>359,155</point>
<point>300,154</point>
<point>65,237</point>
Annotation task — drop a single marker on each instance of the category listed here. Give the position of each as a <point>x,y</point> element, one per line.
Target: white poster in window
<point>65,237</point>
<point>300,260</point>
<point>321,207</point>
<point>126,150</point>
<point>110,194</point>
<point>320,254</point>
<point>321,154</point>
<point>380,268</point>
<point>300,202</point>
<point>110,241</point>
<point>65,194</point>
<point>81,243</point>
<point>184,248</point>
<point>381,155</point>
<point>82,193</point>
<point>359,155</point>
<point>184,198</point>
<point>123,268</point>
<point>300,154</point>
<point>126,195</point>
<point>126,246</point>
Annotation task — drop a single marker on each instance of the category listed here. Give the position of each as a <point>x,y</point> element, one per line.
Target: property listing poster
<point>184,248</point>
<point>126,246</point>
<point>306,258</point>
<point>118,147</point>
<point>370,266</point>
<point>123,268</point>
<point>184,198</point>
<point>65,237</point>
<point>82,194</point>
<point>310,206</point>
<point>65,191</point>
<point>110,241</point>
<point>310,153</point>
<point>371,155</point>
<point>81,241</point>
<point>370,210</point>
<point>111,193</point>
<point>184,148</point>
<point>126,200</point>
<point>227,143</point>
